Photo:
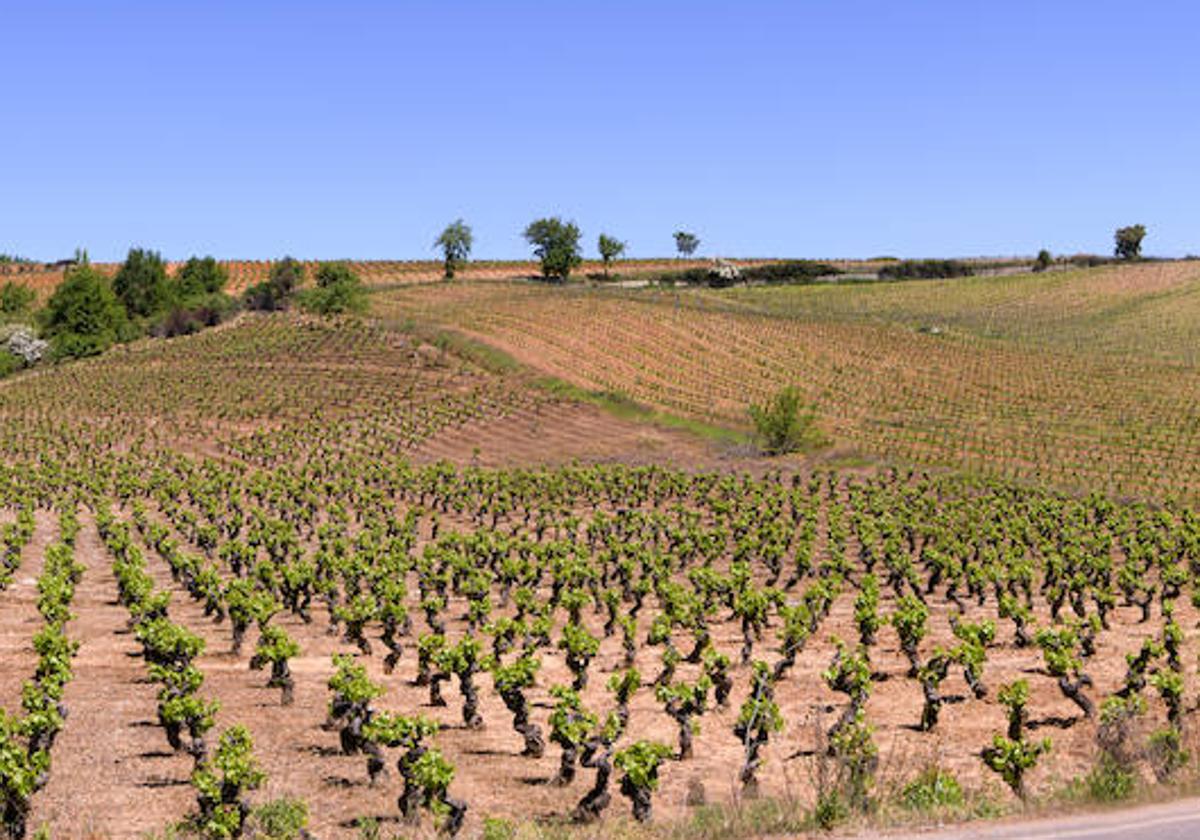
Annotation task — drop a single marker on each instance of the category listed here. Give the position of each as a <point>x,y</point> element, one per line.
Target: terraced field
<point>1086,379</point>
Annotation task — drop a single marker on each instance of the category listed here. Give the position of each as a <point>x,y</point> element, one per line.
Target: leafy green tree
<point>197,298</point>
<point>276,292</point>
<point>610,249</point>
<point>1129,241</point>
<point>200,276</point>
<point>141,283</point>
<point>785,424</point>
<point>83,317</point>
<point>455,244</point>
<point>686,243</point>
<point>1044,260</point>
<point>339,291</point>
<point>556,244</point>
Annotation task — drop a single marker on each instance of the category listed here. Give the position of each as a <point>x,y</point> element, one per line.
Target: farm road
<point>1168,821</point>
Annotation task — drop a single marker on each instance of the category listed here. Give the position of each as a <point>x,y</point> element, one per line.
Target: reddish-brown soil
<point>115,776</point>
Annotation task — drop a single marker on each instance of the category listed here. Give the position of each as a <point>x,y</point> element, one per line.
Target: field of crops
<point>1088,380</point>
<point>289,557</point>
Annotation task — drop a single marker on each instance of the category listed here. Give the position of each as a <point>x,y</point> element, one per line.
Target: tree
<point>556,244</point>
<point>141,283</point>
<point>782,427</point>
<point>1129,242</point>
<point>83,317</point>
<point>610,248</point>
<point>686,243</point>
<point>1044,260</point>
<point>339,291</point>
<point>455,243</point>
<point>276,292</point>
<point>197,298</point>
<point>199,277</point>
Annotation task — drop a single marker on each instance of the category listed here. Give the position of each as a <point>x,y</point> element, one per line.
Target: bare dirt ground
<point>114,775</point>
<point>561,432</point>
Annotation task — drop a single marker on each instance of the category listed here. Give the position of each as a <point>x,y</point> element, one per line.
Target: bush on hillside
<point>1087,260</point>
<point>84,317</point>
<point>339,291</point>
<point>9,364</point>
<point>789,271</point>
<point>723,273</point>
<point>785,424</point>
<point>15,299</point>
<point>199,277</point>
<point>925,270</point>
<point>276,292</point>
<point>194,314</point>
<point>141,283</point>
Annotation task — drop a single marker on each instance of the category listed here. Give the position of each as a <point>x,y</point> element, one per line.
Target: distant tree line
<point>89,312</point>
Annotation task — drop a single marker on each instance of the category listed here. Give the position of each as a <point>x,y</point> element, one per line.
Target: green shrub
<point>141,283</point>
<point>339,291</point>
<point>934,788</point>
<point>785,424</point>
<point>83,317</point>
<point>789,271</point>
<point>277,291</point>
<point>925,270</point>
<point>199,277</point>
<point>831,810</point>
<point>16,299</point>
<point>495,828</point>
<point>279,819</point>
<point>194,314</point>
<point>9,364</point>
<point>1109,781</point>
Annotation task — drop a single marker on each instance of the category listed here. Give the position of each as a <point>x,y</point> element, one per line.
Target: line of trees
<point>555,243</point>
<point>89,312</point>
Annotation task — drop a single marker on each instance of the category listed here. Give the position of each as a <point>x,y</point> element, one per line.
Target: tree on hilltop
<point>686,243</point>
<point>556,244</point>
<point>610,249</point>
<point>455,243</point>
<point>1129,242</point>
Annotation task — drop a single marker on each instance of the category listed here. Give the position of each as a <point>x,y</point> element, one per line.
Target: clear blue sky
<point>839,128</point>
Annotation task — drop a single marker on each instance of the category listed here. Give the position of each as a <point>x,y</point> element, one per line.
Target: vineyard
<point>1086,380</point>
<point>289,558</point>
<point>383,273</point>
